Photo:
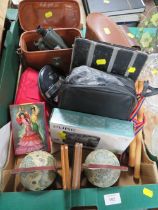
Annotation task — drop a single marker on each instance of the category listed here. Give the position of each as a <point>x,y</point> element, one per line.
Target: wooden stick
<point>75,166</point>
<point>66,179</point>
<point>132,148</point>
<point>80,165</point>
<point>63,166</point>
<point>67,169</point>
<point>139,138</point>
<point>132,153</point>
<point>76,179</point>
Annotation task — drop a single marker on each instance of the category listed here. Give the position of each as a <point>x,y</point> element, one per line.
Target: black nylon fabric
<point>91,91</point>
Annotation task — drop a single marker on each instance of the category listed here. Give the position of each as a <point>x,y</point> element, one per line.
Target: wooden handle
<point>139,138</point>
<point>138,156</point>
<point>132,153</point>
<point>63,166</point>
<point>132,148</point>
<point>67,168</point>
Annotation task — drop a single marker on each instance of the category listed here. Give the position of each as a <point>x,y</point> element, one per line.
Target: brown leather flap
<point>102,28</point>
<point>56,14</point>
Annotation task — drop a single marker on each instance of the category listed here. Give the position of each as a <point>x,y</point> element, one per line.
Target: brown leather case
<point>37,59</point>
<point>63,16</point>
<point>102,28</point>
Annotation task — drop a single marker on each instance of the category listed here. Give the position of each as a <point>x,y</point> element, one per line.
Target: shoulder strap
<point>147,92</point>
<point>137,108</point>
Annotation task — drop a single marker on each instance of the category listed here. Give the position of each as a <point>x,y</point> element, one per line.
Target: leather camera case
<point>102,28</point>
<point>62,16</point>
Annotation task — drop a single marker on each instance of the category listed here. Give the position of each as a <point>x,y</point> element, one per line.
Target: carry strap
<point>137,108</point>
<point>138,125</point>
<point>147,92</point>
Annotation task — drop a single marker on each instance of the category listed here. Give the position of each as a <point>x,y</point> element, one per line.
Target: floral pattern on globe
<point>37,180</point>
<point>102,177</point>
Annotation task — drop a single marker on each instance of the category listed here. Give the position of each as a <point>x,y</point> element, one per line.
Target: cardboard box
<point>141,196</point>
<point>91,130</point>
<point>88,197</point>
<point>145,193</point>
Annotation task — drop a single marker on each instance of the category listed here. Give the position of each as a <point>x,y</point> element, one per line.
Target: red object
<point>103,166</point>
<point>28,90</point>
<point>31,169</point>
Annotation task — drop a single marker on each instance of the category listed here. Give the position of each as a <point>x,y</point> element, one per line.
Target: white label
<point>111,199</point>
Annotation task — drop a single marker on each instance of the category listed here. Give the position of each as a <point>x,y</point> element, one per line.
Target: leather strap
<point>112,60</point>
<point>90,53</point>
<point>131,63</point>
<point>31,169</point>
<point>93,166</point>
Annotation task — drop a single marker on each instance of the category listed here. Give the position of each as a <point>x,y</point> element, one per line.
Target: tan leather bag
<point>102,28</point>
<point>63,16</point>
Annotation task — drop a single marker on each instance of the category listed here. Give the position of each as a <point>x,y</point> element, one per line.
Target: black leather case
<point>109,58</point>
<point>91,91</point>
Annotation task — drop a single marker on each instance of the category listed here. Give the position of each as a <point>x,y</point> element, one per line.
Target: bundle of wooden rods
<point>135,149</point>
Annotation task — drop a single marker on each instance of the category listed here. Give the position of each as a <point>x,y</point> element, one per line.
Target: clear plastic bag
<point>85,75</point>
<point>150,73</point>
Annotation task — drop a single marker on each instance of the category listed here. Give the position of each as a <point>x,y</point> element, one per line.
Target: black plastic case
<point>49,83</point>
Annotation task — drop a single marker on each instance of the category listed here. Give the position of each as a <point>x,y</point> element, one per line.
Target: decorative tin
<point>37,180</point>
<point>102,177</point>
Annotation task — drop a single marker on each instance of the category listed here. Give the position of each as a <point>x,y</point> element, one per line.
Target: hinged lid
<point>55,14</point>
